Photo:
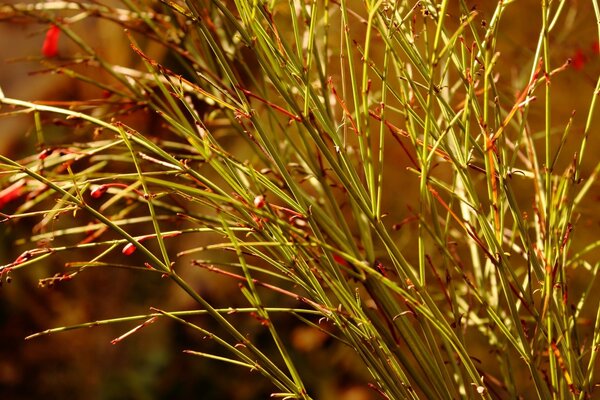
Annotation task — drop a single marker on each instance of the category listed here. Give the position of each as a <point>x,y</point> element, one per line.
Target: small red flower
<point>578,60</point>
<point>50,46</point>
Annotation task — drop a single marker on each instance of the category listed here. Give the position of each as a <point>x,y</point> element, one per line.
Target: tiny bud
<point>98,191</point>
<point>22,258</point>
<point>12,192</point>
<point>259,201</point>
<point>50,46</point>
<point>45,153</point>
<point>340,260</point>
<point>128,249</point>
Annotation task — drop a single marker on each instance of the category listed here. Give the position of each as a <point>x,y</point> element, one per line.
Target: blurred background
<point>83,364</point>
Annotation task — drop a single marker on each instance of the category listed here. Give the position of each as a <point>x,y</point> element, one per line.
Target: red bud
<point>128,249</point>
<point>50,46</point>
<point>45,153</point>
<point>98,191</point>
<point>259,201</point>
<point>340,260</point>
<point>12,192</point>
